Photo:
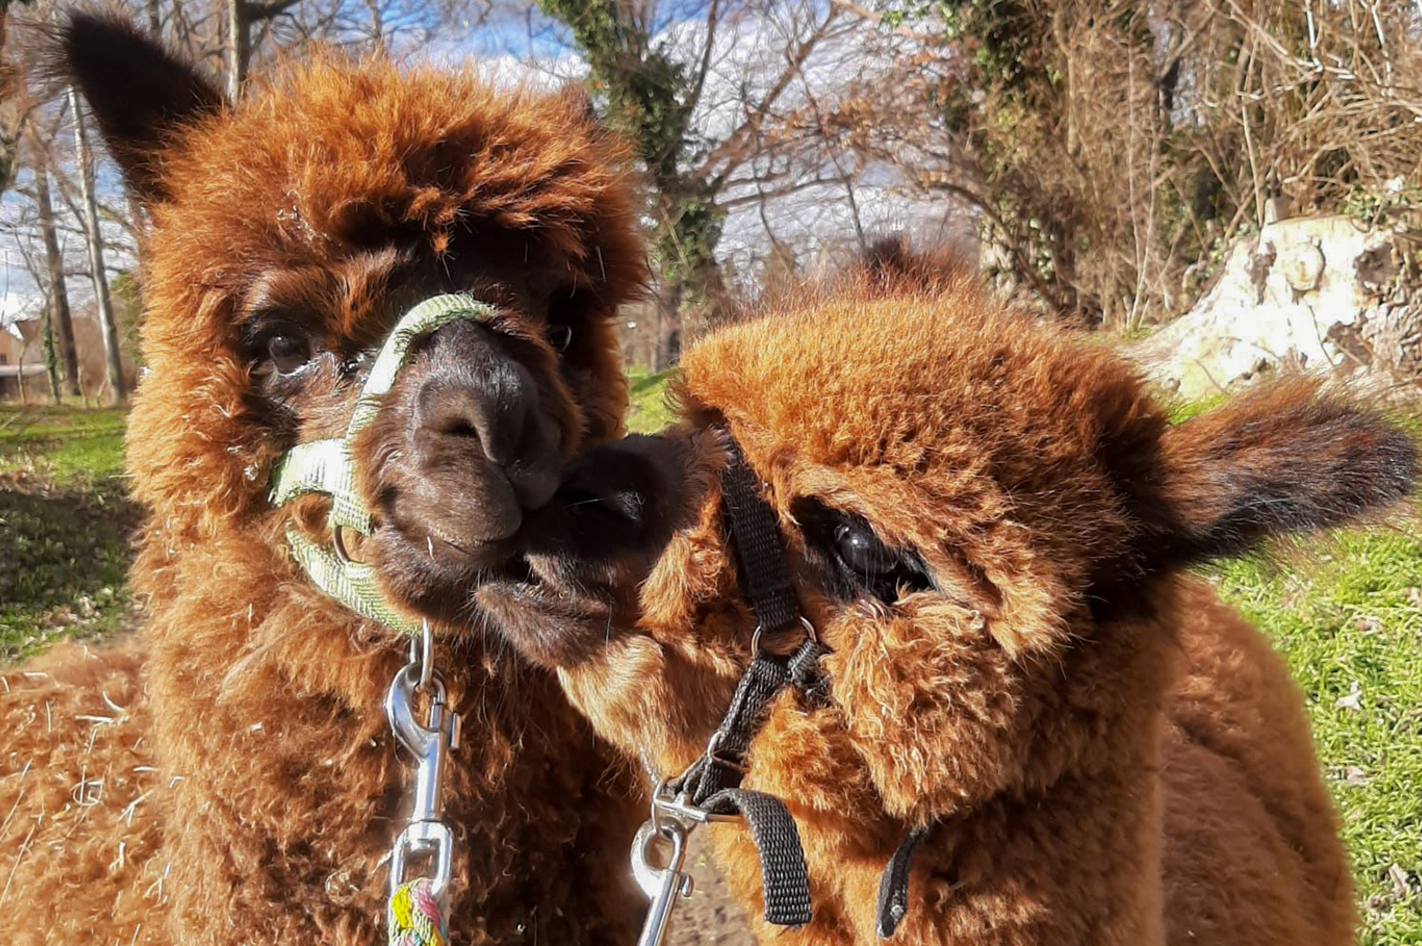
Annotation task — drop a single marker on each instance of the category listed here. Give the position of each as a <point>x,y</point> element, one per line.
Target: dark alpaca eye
<point>560,336</point>
<point>853,561</point>
<point>287,353</point>
<point>862,552</point>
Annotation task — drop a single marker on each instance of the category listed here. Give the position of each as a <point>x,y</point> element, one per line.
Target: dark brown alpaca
<point>988,522</point>
<point>250,788</point>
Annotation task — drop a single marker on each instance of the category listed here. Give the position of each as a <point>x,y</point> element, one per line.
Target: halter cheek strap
<point>711,788</point>
<point>326,467</point>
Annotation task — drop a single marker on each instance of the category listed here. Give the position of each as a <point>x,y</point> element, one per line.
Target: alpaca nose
<point>487,410</point>
<point>475,401</point>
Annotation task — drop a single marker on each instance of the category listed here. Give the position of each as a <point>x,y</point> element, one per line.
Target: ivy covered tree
<point>650,88</point>
<point>10,109</point>
<point>1113,149</point>
<point>650,97</point>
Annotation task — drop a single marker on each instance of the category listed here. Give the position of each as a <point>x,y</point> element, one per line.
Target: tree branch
<point>736,139</point>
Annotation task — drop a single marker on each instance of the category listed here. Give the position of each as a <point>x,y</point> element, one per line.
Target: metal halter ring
<point>810,632</point>
<point>422,654</point>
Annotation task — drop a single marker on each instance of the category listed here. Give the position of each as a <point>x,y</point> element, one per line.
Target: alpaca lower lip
<point>473,554</point>
<point>521,584</point>
<point>551,625</point>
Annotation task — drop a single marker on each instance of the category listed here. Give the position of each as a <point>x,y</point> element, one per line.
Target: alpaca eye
<point>560,336</point>
<point>287,353</point>
<point>852,561</point>
<point>863,553</point>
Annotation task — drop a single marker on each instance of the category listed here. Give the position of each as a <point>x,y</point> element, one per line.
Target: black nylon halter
<point>713,782</point>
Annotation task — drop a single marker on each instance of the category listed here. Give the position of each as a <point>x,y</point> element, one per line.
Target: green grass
<point>1348,620</point>
<point>649,411</point>
<point>64,445</point>
<point>64,526</point>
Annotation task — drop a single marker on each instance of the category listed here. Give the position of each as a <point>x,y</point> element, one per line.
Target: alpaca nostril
<point>457,427</point>
<point>459,412</point>
<point>626,505</point>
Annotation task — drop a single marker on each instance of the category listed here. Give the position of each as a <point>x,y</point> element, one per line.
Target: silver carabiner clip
<point>430,743</point>
<point>662,884</point>
<point>673,818</point>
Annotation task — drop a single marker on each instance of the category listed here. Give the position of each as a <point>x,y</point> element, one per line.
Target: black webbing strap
<point>713,782</point>
<point>722,765</point>
<point>894,884</point>
<point>760,550</point>
<point>785,881</point>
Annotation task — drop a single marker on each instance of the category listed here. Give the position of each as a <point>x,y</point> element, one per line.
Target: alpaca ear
<point>140,93</point>
<point>1284,458</point>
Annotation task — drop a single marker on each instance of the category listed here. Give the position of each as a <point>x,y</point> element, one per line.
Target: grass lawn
<point>648,411</point>
<point>64,526</point>
<point>1348,617</point>
<point>1349,622</point>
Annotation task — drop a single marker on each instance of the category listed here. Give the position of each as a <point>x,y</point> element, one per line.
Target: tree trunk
<point>59,326</point>
<point>51,360</point>
<point>107,326</point>
<point>239,47</point>
<point>666,343</point>
<point>9,136</point>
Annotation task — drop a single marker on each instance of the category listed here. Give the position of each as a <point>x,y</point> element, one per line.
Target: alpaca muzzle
<point>327,467</point>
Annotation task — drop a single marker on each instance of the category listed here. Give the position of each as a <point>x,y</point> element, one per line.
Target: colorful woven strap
<point>326,467</point>
<point>414,917</point>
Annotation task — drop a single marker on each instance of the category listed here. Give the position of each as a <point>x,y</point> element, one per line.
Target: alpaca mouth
<point>561,597</point>
<point>551,622</point>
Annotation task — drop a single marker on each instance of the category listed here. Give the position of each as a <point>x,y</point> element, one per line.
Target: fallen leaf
<point>1353,701</point>
<point>1401,881</point>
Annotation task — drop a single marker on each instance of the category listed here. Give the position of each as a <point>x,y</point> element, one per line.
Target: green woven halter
<point>325,466</point>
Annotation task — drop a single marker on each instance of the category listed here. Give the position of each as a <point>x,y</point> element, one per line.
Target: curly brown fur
<point>987,519</point>
<point>287,237</point>
<point>85,802</point>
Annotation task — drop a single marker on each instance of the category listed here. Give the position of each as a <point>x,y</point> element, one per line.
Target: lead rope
<point>709,791</point>
<point>416,915</point>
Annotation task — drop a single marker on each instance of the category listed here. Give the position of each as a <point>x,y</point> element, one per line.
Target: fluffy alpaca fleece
<point>249,786</point>
<point>987,521</point>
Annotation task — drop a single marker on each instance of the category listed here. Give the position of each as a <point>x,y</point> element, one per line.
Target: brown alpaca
<point>248,788</point>
<point>987,522</point>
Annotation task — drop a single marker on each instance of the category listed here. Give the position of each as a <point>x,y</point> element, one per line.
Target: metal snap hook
<point>650,877</point>
<point>430,743</point>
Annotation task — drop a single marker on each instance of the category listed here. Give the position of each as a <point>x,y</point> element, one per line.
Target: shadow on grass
<point>64,558</point>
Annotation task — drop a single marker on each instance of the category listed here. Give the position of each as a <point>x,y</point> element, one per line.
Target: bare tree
<point>701,89</point>
<point>58,319</point>
<point>118,391</point>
